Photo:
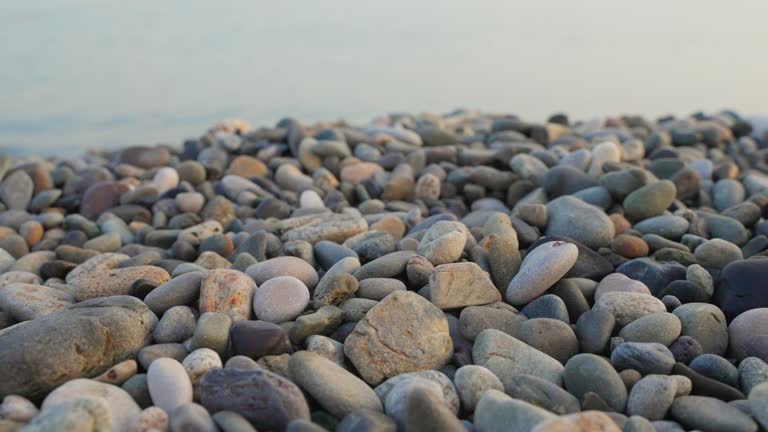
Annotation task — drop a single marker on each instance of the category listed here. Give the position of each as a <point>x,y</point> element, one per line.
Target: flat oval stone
<point>542,393</point>
<point>629,306</point>
<point>16,190</point>
<point>117,327</point>
<point>541,269</point>
<point>337,390</point>
<point>283,266</point>
<point>586,373</point>
<point>705,323</point>
<point>508,357</point>
<point>444,242</point>
<point>169,385</point>
<point>27,301</point>
<point>748,334</point>
<point>644,357</point>
<point>179,291</point>
<point>717,253</point>
<point>472,381</point>
<point>580,422</point>
<point>280,299</point>
<point>497,412</point>
<point>560,342</point>
<point>448,392</point>
<point>572,217</point>
<point>661,327</point>
<point>191,416</point>
<point>390,265</point>
<point>650,200</point>
<point>710,414</point>
<point>267,400</point>
<point>740,287</point>
<point>256,339</point>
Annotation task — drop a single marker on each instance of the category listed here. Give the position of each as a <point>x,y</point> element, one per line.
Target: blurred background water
<point>77,74</point>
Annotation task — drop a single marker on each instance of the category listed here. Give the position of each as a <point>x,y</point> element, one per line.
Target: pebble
<point>472,382</point>
<point>717,253</point>
<point>628,306</point>
<point>336,389</point>
<point>402,323</point>
<point>586,373</point>
<point>444,242</point>
<point>179,291</point>
<point>119,373</point>
<point>151,418</point>
<point>265,399</point>
<point>542,393</point>
<point>617,282</point>
<point>705,323</point>
<point>579,422</point>
<point>169,385</point>
<point>594,329</point>
<point>280,299</point>
<point>378,288</point>
<point>499,316</point>
<point>283,266</point>
<point>560,343</point>
<point>120,407</point>
<point>366,420</point>
<point>752,372</point>
<point>26,302</point>
<point>230,421</point>
<point>31,369</point>
<point>548,306</point>
<point>227,291</point>
<point>644,357</point>
<point>541,269</point>
<point>18,409</point>
<point>176,325</point>
<point>717,368</point>
<point>507,357</point>
<point>199,362</point>
<point>497,412</point>
<point>739,289</point>
<point>649,200</point>
<point>585,223</point>
<point>459,285</point>
<point>661,327</point>
<point>423,410</point>
<point>710,414</point>
<point>16,190</point>
<point>748,334</point>
<point>191,416</point>
<point>333,290</point>
<point>256,339</point>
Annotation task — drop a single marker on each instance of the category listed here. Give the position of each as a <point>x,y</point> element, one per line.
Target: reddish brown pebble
<point>32,232</point>
<point>620,223</point>
<point>629,246</point>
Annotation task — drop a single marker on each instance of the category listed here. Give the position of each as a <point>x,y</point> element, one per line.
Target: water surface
<point>77,74</point>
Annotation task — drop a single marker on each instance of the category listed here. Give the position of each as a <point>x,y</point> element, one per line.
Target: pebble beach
<point>422,272</point>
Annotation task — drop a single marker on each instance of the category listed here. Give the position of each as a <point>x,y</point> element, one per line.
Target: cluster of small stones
<point>465,272</point>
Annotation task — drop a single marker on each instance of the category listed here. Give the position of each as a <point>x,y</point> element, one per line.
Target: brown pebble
<point>629,246</point>
<point>32,231</point>
<point>247,166</point>
<point>390,224</point>
<point>620,223</point>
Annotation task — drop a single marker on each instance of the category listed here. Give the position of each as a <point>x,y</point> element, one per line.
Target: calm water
<point>76,74</point>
